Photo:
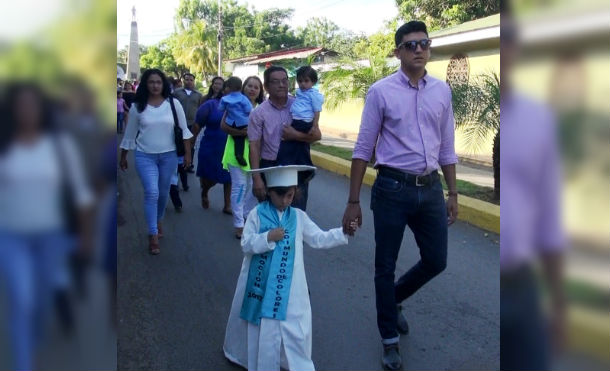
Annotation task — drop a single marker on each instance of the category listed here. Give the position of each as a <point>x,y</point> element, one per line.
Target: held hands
<point>276,234</point>
<point>352,218</point>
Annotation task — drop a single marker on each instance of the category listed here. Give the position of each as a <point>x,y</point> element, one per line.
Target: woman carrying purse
<point>152,134</point>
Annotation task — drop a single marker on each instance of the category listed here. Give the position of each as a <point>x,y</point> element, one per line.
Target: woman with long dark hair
<point>44,202</point>
<point>215,90</point>
<point>151,135</point>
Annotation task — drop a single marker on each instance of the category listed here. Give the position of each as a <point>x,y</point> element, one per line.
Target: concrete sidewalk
<point>478,174</point>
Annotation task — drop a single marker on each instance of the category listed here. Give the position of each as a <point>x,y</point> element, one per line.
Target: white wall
<point>243,71</point>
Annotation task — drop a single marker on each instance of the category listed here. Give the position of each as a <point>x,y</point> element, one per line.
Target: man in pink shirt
<point>269,124</point>
<point>408,121</point>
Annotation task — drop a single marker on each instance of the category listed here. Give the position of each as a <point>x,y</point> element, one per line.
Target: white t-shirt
<point>154,128</point>
<point>31,181</point>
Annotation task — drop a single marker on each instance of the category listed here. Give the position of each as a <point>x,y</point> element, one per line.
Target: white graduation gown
<point>260,347</point>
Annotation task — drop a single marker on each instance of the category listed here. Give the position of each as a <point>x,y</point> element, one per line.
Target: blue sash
<point>270,275</point>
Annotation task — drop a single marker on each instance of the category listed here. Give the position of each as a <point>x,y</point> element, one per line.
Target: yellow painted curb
<point>476,212</point>
<point>588,332</point>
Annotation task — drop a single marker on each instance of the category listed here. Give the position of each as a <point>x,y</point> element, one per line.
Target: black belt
<point>409,179</point>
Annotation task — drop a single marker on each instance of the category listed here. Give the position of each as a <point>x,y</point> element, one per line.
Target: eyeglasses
<point>412,45</point>
<point>277,82</point>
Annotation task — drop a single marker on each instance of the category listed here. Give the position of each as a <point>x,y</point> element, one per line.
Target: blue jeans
<point>396,204</point>
<point>155,171</point>
<point>120,120</point>
<point>32,266</point>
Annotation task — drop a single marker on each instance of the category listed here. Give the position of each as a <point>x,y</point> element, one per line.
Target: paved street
<point>173,307</point>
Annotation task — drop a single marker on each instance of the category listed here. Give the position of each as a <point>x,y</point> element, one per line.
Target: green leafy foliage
<point>351,80</point>
<point>244,31</point>
<point>439,14</point>
<point>161,56</point>
<point>319,31</point>
<point>476,108</point>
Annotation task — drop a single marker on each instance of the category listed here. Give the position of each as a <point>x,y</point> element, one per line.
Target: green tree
<point>476,108</point>
<point>345,42</point>
<point>380,44</point>
<point>244,31</point>
<point>351,80</point>
<point>121,55</point>
<point>161,56</point>
<point>318,32</point>
<point>440,14</point>
<point>195,49</point>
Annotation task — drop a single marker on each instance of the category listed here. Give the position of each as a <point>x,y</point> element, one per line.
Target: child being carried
<point>238,109</point>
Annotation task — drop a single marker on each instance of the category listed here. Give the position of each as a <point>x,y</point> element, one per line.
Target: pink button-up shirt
<point>530,178</point>
<point>412,127</point>
<point>266,124</point>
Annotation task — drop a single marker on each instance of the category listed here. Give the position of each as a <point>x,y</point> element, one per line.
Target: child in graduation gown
<point>270,321</point>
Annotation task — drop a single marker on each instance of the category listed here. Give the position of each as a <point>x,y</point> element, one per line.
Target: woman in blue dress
<point>211,150</point>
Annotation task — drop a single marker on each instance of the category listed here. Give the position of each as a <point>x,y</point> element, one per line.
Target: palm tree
<point>352,80</point>
<point>192,48</point>
<point>476,108</point>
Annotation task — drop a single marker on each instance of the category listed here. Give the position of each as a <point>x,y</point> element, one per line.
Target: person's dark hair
<point>233,83</point>
<point>261,93</point>
<point>407,28</point>
<point>188,74</point>
<point>307,71</point>
<point>270,70</point>
<point>11,95</point>
<point>210,93</point>
<point>141,98</point>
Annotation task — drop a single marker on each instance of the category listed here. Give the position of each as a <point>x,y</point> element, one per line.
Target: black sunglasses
<point>412,45</point>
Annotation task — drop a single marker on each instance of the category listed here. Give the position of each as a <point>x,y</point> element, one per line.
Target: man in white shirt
<point>190,99</point>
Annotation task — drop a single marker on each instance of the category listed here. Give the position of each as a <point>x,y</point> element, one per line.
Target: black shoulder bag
<point>180,151</point>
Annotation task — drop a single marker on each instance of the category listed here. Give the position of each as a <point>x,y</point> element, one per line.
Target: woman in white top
<point>39,171</point>
<point>151,134</point>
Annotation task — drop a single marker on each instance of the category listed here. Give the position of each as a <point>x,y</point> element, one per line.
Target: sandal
<point>159,230</point>
<point>227,211</point>
<point>153,245</point>
<point>238,233</point>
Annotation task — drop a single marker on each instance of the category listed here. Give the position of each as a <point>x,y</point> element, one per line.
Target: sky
<point>155,17</point>
<point>24,18</point>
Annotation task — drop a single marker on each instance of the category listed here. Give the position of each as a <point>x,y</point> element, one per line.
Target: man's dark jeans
<point>396,203</point>
<point>524,340</point>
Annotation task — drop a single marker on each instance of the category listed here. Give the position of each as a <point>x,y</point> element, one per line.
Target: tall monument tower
<point>133,53</point>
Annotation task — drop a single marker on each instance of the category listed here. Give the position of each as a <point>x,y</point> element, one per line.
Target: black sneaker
<point>401,321</point>
<point>390,359</point>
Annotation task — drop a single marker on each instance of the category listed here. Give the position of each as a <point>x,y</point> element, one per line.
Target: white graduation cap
<point>282,176</point>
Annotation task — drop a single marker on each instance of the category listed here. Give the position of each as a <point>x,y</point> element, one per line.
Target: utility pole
<point>219,40</point>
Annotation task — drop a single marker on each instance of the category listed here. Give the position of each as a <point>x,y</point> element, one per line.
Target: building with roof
<point>289,58</point>
<point>466,50</point>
